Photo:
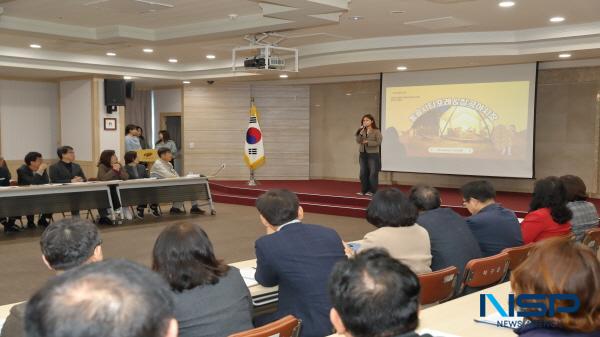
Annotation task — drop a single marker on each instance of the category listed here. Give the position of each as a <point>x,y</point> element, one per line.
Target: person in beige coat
<point>395,216</point>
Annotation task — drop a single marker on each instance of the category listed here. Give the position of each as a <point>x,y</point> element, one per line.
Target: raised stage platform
<point>340,198</point>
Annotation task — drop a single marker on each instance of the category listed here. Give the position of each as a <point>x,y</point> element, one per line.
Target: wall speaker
<point>129,89</point>
<point>114,92</point>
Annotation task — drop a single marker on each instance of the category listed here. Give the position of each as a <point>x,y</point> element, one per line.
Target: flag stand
<point>252,181</point>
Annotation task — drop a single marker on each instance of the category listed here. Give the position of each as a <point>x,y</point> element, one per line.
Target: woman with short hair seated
<point>548,212</point>
<point>395,217</point>
<point>561,266</point>
<point>211,298</point>
<point>585,216</point>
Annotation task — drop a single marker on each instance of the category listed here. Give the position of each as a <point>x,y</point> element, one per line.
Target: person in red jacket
<point>548,215</point>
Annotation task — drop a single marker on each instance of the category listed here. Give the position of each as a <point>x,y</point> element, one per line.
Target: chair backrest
<point>485,272</point>
<point>288,326</point>
<point>438,286</point>
<point>592,238</point>
<point>516,255</point>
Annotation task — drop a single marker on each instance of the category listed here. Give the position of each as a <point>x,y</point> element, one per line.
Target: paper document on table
<point>498,320</point>
<point>435,333</point>
<point>248,276</point>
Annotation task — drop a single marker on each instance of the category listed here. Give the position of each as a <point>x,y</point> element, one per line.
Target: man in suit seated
<point>65,244</point>
<point>34,172</point>
<point>452,242</point>
<point>163,169</point>
<point>374,294</point>
<point>116,298</point>
<point>298,258</point>
<point>494,226</point>
<point>65,170</point>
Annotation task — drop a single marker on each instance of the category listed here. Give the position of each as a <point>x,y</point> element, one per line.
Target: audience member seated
<point>452,242</point>
<point>137,171</point>
<point>298,258</point>
<point>548,212</point>
<point>34,172</point>
<point>65,170</point>
<point>374,295</point>
<point>394,216</point>
<point>141,138</point>
<point>162,169</point>
<point>494,226</point>
<point>114,298</point>
<point>164,140</point>
<point>109,169</point>
<point>211,298</point>
<point>561,266</point>
<point>132,142</point>
<point>65,244</point>
<point>5,176</point>
<point>585,216</point>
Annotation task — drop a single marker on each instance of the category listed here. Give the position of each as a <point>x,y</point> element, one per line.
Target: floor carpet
<point>233,232</point>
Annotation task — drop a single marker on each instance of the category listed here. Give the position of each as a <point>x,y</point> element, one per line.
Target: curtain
<point>138,111</point>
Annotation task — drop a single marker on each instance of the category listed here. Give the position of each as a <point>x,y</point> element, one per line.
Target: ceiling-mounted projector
<point>260,62</point>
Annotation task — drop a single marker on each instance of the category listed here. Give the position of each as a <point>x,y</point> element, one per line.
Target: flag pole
<point>252,179</point>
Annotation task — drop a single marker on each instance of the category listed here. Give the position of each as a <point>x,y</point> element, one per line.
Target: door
<point>172,123</point>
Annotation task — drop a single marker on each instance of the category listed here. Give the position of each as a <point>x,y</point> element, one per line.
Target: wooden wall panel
<point>215,121</point>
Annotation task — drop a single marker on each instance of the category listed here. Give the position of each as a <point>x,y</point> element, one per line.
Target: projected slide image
<point>483,120</point>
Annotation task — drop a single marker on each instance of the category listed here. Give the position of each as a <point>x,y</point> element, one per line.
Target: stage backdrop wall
<point>566,139</point>
<point>215,122</point>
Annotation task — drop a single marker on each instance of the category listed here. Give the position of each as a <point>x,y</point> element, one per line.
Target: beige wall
<point>335,112</point>
<point>215,122</point>
<point>566,140</point>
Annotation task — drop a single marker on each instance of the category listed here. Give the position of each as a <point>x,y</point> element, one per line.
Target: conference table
<point>54,198</point>
<point>17,201</point>
<point>156,191</point>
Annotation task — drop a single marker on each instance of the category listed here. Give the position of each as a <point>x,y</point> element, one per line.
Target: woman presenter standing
<point>369,139</point>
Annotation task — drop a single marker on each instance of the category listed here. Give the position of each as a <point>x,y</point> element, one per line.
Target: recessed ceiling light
<point>186,82</point>
<point>232,16</point>
<point>127,77</point>
<point>564,55</point>
<point>348,94</point>
<point>557,19</point>
<point>506,4</point>
<point>211,57</point>
<point>173,60</point>
<point>283,76</point>
<point>148,50</point>
<point>35,46</point>
<point>402,68</point>
<point>356,18</point>
<point>110,53</point>
<point>398,12</point>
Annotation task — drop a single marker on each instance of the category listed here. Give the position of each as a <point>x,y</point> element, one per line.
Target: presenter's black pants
<point>370,164</point>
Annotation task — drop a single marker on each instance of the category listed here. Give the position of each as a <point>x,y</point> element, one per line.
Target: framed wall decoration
<point>110,124</point>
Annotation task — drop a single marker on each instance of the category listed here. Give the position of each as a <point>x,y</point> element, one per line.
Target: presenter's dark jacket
<point>533,330</point>
<point>25,177</point>
<point>495,228</point>
<point>62,172</point>
<point>4,176</point>
<point>374,139</point>
<point>299,258</point>
<point>452,243</point>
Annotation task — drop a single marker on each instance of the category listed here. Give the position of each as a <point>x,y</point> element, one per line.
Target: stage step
<point>313,203</point>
